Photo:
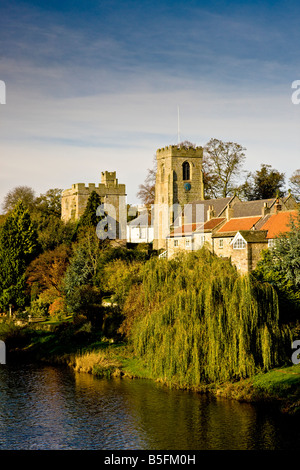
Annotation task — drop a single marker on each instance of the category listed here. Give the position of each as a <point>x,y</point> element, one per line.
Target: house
<point>239,230</point>
<point>194,226</point>
<point>140,229</point>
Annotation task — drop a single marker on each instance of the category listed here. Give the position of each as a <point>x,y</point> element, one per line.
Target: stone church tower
<point>179,181</point>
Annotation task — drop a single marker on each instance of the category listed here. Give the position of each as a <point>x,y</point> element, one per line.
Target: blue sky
<point>95,85</point>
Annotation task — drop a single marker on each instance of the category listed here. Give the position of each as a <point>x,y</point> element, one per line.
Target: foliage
<point>202,322</point>
<point>265,183</point>
<point>89,218</point>
<point>222,165</point>
<point>295,184</point>
<point>23,194</point>
<point>50,202</point>
<point>58,308</point>
<point>87,300</point>
<point>83,266</point>
<point>146,191</point>
<point>280,266</point>
<point>48,269</point>
<point>18,246</point>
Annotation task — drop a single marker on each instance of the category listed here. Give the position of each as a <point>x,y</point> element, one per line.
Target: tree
<point>81,278</point>
<point>18,246</point>
<point>280,266</point>
<point>49,203</point>
<point>146,191</point>
<point>222,165</point>
<point>295,184</point>
<point>19,193</point>
<point>89,218</point>
<point>48,269</point>
<point>265,183</point>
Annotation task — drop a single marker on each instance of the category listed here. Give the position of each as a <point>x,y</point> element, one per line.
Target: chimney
<point>229,212</point>
<point>277,206</point>
<point>210,213</point>
<point>265,210</point>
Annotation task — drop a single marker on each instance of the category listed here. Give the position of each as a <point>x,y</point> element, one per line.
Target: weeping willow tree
<point>204,323</point>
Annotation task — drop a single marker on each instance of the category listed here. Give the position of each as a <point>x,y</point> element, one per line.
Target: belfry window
<point>185,171</point>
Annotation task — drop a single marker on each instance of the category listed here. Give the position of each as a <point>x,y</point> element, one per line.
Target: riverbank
<point>86,352</point>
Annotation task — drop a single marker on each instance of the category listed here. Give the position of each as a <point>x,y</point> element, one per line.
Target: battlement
<point>109,177</point>
<point>74,199</point>
<point>179,151</point>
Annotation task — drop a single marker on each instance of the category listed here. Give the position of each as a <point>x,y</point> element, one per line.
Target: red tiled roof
<point>186,229</point>
<point>278,223</point>
<point>242,223</point>
<point>212,223</point>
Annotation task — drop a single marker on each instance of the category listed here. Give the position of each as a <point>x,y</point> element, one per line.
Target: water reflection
<point>53,408</point>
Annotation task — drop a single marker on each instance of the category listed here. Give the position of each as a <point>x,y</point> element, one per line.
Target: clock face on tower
<point>187,186</point>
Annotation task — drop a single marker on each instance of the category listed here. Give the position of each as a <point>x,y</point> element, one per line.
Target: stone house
<point>240,231</point>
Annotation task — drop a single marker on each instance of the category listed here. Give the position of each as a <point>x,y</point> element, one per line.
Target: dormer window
<point>239,244</point>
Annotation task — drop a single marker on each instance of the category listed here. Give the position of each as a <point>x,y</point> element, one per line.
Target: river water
<point>53,408</point>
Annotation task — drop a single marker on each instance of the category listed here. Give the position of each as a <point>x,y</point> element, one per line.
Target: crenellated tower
<point>179,181</point>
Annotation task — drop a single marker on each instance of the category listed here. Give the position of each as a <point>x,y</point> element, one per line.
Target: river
<point>53,408</point>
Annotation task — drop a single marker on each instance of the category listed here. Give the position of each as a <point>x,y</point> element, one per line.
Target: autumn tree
<point>23,194</point>
<point>146,192</point>
<point>48,269</point>
<point>265,183</point>
<point>295,184</point>
<point>222,166</point>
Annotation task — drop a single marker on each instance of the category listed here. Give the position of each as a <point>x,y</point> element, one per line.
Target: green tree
<point>265,183</point>
<point>81,280</point>
<point>90,218</point>
<point>18,246</point>
<point>280,266</point>
<point>49,203</point>
<point>222,166</point>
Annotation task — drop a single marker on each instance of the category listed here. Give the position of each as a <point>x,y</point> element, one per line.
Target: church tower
<point>179,181</point>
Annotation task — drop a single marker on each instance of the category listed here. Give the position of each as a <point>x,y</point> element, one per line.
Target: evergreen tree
<point>89,217</point>
<point>18,246</point>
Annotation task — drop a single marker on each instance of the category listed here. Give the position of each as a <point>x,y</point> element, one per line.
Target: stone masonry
<point>111,193</point>
<point>179,181</point>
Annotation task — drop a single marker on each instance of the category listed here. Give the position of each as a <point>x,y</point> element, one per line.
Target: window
<point>142,233</point>
<point>271,243</point>
<point>239,244</point>
<point>162,176</point>
<point>221,243</point>
<point>185,171</point>
<point>202,239</point>
<point>175,242</point>
<point>187,242</point>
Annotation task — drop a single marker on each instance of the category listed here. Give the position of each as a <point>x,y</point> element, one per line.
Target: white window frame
<point>239,244</point>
